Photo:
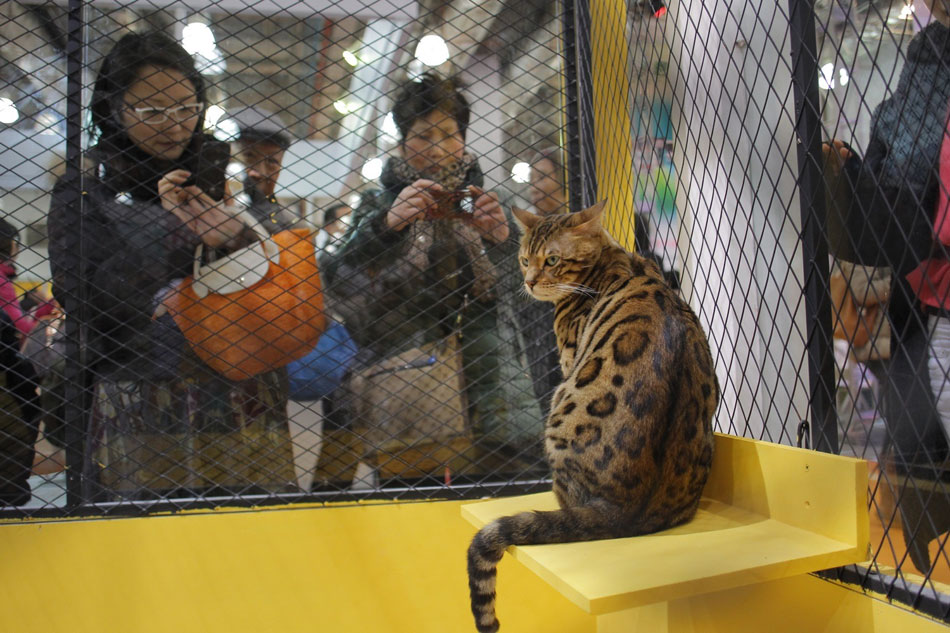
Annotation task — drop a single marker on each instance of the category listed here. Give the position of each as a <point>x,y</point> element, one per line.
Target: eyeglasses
<point>157,116</point>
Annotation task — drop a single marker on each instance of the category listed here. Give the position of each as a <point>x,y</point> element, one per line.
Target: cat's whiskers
<point>576,288</point>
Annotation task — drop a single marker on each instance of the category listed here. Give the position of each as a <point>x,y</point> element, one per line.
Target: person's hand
<point>212,221</point>
<point>413,203</point>
<point>487,215</point>
<point>837,148</point>
<point>46,308</point>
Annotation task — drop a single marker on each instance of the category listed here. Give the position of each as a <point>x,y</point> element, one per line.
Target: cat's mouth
<point>545,292</point>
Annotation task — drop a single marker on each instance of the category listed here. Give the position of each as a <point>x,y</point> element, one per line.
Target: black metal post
<point>821,383</point>
<point>582,177</point>
<point>72,191</point>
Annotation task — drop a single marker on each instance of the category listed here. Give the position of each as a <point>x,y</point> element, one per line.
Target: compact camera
<point>457,203</point>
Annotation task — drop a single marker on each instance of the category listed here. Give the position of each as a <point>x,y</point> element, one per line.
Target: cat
<point>629,437</point>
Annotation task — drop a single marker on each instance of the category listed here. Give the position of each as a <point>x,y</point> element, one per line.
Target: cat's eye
<point>552,260</point>
<point>524,262</point>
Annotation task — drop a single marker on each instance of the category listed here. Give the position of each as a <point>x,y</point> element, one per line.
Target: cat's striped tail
<point>586,523</point>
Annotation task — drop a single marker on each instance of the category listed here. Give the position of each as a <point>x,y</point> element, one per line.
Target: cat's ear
<point>525,219</point>
<point>588,220</point>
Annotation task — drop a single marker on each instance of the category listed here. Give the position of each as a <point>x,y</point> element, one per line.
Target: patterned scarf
<point>423,235</point>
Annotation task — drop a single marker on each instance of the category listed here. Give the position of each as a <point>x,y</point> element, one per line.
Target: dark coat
<point>891,224</point>
<point>399,311</point>
<point>19,424</point>
<point>113,254</point>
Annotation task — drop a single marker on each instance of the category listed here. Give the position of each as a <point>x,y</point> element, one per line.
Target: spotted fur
<point>629,436</point>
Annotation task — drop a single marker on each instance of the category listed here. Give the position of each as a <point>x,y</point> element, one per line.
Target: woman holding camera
<point>420,245</point>
<point>161,422</point>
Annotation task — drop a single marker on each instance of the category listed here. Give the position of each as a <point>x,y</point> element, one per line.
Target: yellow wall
<point>366,568</point>
<point>396,568</point>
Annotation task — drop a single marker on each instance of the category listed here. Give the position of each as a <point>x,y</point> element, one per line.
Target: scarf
<point>425,234</point>
<point>915,121</point>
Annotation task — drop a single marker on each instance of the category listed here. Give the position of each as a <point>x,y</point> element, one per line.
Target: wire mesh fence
<point>173,175</point>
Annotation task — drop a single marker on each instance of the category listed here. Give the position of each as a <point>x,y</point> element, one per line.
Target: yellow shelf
<point>769,512</point>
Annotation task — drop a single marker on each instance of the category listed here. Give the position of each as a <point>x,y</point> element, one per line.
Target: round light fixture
<point>197,39</point>
<point>390,131</point>
<point>372,169</point>
<point>826,77</point>
<point>8,111</point>
<point>227,130</point>
<point>521,172</point>
<point>350,58</point>
<point>212,115</point>
<point>345,107</point>
<point>432,50</point>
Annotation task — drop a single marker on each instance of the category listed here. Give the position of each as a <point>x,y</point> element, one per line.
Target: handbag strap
<point>247,220</point>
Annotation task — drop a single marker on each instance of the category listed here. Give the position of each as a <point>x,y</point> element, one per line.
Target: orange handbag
<point>257,309</point>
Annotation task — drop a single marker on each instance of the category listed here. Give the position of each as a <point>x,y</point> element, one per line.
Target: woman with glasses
<point>160,422</point>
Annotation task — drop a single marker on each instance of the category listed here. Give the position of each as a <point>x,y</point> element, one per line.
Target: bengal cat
<point>629,438</point>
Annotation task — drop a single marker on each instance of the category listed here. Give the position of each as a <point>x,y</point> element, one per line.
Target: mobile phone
<point>209,171</point>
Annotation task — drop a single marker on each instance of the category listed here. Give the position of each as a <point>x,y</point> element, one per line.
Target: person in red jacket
<point>9,303</point>
<point>18,395</point>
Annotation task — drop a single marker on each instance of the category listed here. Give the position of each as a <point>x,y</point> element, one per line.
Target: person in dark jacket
<point>415,216</point>
<point>19,399</point>
<point>161,422</point>
<point>899,191</point>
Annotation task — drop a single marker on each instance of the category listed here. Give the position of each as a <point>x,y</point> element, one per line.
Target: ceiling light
<point>432,50</point>
<point>372,169</point>
<point>212,115</point>
<point>8,111</point>
<point>227,130</point>
<point>826,77</point>
<point>346,107</point>
<point>843,76</point>
<point>197,39</point>
<point>390,131</point>
<point>350,58</point>
<point>521,172</point>
<point>907,12</point>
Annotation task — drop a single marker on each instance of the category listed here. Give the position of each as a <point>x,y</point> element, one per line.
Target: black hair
<point>330,215</point>
<point>425,95</point>
<point>120,69</point>
<point>8,236</point>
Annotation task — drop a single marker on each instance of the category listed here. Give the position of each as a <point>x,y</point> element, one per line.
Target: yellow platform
<point>768,512</point>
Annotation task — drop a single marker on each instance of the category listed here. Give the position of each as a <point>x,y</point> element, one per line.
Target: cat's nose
<point>530,283</point>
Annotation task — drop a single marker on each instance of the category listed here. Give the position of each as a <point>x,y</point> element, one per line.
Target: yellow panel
<point>394,568</point>
<point>742,534</point>
<point>807,489</point>
<point>612,141</point>
<point>792,605</point>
